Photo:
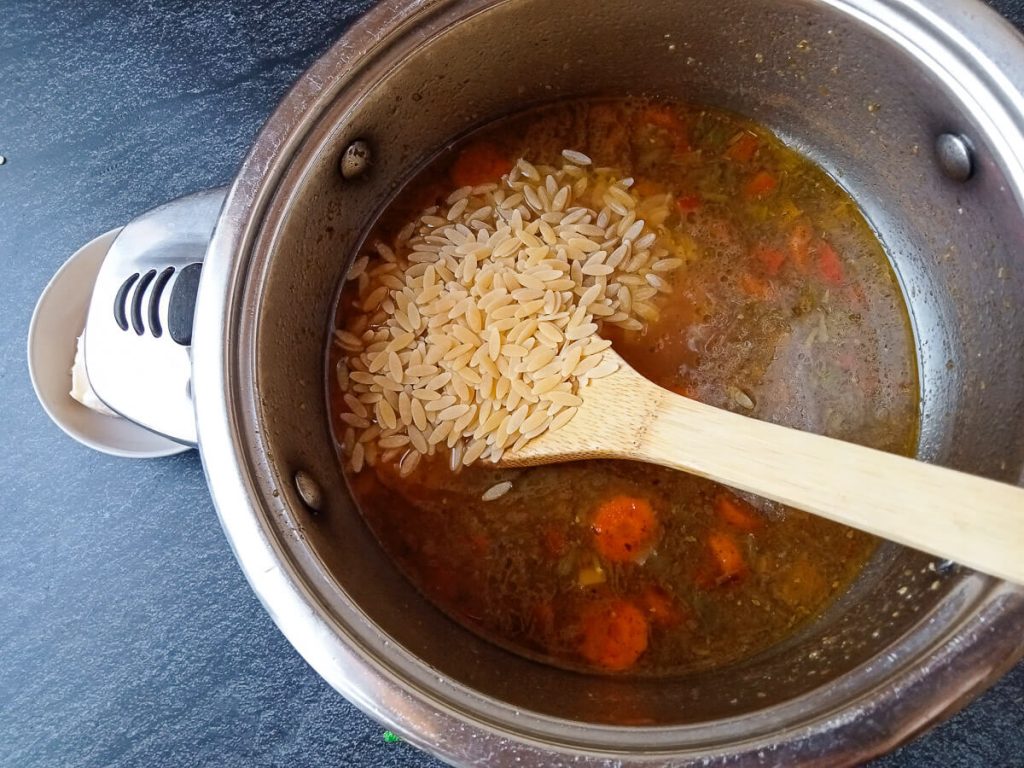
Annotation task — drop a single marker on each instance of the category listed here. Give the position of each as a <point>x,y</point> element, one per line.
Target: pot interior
<point>833,85</point>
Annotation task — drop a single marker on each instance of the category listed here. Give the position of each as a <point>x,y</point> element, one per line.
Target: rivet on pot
<point>309,490</point>
<point>355,160</point>
<point>955,156</point>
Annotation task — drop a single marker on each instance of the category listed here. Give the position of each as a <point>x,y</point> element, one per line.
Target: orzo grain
<point>475,330</point>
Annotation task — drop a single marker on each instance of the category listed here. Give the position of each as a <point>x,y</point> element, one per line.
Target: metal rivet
<point>309,490</point>
<point>954,155</point>
<point>355,160</point>
<point>2,159</point>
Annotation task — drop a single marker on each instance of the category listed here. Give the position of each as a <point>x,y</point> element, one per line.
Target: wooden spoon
<point>953,515</point>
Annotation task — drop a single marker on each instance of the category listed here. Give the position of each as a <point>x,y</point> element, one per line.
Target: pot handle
<point>138,331</point>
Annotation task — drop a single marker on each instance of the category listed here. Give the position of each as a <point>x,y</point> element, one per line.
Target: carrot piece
<point>800,246</point>
<point>771,259</point>
<point>743,148</point>
<point>613,634</point>
<point>624,529</point>
<point>688,203</point>
<point>727,555</point>
<point>661,610</point>
<point>759,185</point>
<point>829,265</point>
<point>479,163</point>
<point>737,513</point>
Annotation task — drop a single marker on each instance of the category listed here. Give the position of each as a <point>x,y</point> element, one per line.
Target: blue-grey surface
<point>128,635</point>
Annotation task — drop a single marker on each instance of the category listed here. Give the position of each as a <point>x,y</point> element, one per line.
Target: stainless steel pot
<point>866,88</point>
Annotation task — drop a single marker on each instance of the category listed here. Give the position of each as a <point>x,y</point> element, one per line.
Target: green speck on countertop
<point>391,737</point>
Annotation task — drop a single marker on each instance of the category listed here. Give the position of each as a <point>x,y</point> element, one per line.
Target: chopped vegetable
<point>613,634</point>
<point>761,184</point>
<point>591,575</point>
<point>829,265</point>
<point>743,147</point>
<point>624,529</point>
<point>479,163</point>
<point>727,556</point>
<point>737,513</point>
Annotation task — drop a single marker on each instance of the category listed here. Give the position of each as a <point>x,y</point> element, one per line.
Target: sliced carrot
<point>737,513</point>
<point>624,529</point>
<point>688,203</point>
<point>479,163</point>
<point>727,555</point>
<point>770,258</point>
<point>660,608</point>
<point>800,237</point>
<point>829,265</point>
<point>743,148</point>
<point>760,184</point>
<point>613,634</point>
<point>755,287</point>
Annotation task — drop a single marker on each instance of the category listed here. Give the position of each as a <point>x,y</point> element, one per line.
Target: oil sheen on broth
<point>790,313</point>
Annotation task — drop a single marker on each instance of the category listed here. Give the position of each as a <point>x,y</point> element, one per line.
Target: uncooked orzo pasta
<point>477,329</point>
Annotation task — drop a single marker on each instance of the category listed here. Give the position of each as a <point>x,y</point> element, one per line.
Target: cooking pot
<point>915,109</point>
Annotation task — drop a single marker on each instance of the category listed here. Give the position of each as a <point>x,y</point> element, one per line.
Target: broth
<point>785,309</point>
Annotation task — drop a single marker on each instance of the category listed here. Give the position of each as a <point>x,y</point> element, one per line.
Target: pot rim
<point>871,722</point>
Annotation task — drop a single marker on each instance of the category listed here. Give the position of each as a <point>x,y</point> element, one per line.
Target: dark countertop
<point>128,635</point>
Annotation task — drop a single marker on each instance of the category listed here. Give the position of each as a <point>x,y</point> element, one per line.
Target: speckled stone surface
<point>128,636</point>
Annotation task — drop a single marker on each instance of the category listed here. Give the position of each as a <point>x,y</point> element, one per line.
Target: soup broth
<point>785,309</point>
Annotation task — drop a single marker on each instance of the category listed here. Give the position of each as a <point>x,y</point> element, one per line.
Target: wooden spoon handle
<point>953,515</point>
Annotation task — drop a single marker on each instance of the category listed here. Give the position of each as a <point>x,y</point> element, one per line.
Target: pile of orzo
<point>476,330</point>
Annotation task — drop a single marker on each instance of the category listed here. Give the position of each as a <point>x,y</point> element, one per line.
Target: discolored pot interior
<point>862,88</point>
